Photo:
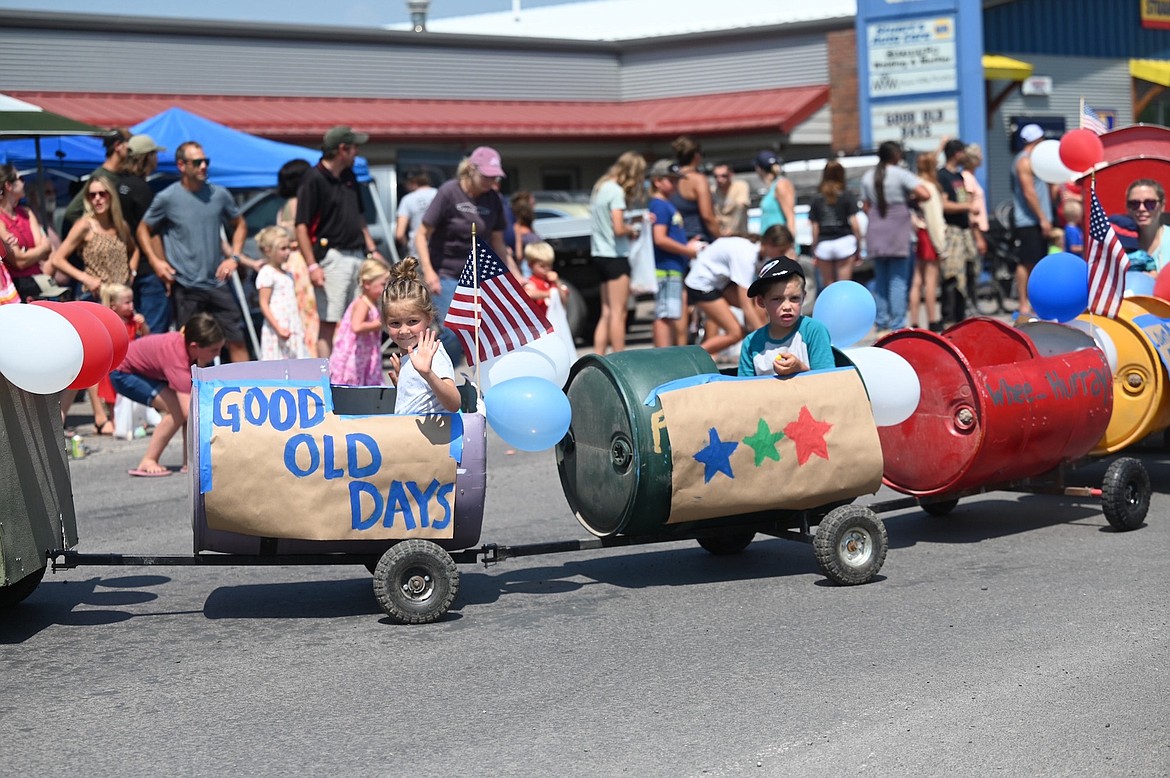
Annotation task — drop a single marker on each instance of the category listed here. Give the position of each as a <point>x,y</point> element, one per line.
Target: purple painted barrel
<point>470,482</point>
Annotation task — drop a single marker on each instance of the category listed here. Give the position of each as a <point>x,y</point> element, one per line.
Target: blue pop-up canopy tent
<point>238,160</point>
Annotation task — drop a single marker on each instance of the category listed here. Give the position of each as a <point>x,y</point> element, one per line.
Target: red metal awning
<point>307,118</point>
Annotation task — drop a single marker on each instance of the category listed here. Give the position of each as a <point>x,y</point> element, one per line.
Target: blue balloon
<point>1058,287</point>
<point>1137,282</point>
<point>528,413</point>
<point>847,309</point>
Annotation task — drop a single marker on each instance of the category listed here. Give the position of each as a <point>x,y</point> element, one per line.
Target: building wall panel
<point>128,62</point>
<point>1103,83</point>
<point>103,62</point>
<point>1089,28</point>
<point>750,63</point>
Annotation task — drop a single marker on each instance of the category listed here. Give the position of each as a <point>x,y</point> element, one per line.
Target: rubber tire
<point>987,300</point>
<point>14,593</point>
<point>941,508</point>
<point>726,545</point>
<point>422,564</point>
<point>850,524</point>
<point>1125,494</point>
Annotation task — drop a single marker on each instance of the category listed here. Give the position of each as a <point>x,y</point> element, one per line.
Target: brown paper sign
<point>752,445</point>
<point>283,466</point>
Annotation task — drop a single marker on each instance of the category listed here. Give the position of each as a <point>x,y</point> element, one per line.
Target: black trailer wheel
<point>13,593</point>
<point>415,582</point>
<point>940,508</point>
<point>850,545</point>
<point>1125,494</point>
<point>725,545</point>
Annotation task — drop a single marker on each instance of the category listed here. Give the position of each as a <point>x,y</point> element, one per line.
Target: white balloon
<point>40,351</point>
<point>1047,165</point>
<point>546,357</point>
<point>891,381</point>
<point>554,347</point>
<point>1101,337</point>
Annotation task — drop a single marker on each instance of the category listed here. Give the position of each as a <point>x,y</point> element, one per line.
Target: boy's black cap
<point>774,270</point>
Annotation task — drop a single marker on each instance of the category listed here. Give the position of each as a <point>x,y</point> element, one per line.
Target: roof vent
<point>418,14</point>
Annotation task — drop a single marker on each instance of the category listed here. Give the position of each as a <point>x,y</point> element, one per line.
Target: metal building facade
<point>1104,84</point>
<point>1087,28</point>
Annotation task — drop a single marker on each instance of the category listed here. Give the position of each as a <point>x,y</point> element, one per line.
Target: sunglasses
<point>200,162</point>
<point>97,193</point>
<point>1149,205</point>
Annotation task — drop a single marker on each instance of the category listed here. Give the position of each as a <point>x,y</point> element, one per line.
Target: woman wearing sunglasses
<point>1145,200</point>
<point>103,239</point>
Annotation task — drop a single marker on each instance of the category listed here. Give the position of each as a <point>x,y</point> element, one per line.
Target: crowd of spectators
<point>924,233</point>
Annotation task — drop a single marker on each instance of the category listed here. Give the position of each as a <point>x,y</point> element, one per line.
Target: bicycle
<point>995,283</point>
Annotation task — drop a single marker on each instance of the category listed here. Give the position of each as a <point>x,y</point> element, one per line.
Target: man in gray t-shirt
<point>188,216</point>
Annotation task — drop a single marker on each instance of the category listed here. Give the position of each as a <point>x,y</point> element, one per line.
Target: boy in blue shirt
<point>789,343</point>
<point>672,256</point>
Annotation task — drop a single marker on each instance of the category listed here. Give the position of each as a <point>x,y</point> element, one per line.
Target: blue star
<point>716,456</point>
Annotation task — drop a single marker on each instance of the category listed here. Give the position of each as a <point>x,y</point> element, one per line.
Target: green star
<point>764,443</point>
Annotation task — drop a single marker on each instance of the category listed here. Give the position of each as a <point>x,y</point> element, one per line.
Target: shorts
<point>137,388</point>
<point>843,247</point>
<point>924,249</point>
<point>217,301</point>
<point>1031,247</point>
<point>695,296</point>
<point>341,280</point>
<point>611,268</point>
<point>668,302</point>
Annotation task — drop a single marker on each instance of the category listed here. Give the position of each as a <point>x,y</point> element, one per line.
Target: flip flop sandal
<point>148,473</point>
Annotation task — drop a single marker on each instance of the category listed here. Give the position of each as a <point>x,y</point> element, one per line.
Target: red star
<point>809,436</point>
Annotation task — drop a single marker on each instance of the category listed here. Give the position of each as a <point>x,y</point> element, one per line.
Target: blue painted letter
<point>351,453</point>
<point>290,455</point>
<point>356,490</point>
<point>396,502</point>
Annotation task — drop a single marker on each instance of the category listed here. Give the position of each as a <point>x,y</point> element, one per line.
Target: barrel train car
<point>290,470</point>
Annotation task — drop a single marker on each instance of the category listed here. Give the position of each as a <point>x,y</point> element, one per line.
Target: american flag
<point>507,319</point>
<point>1091,120</point>
<point>1107,261</point>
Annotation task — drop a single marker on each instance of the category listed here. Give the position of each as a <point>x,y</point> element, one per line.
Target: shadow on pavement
<point>57,603</point>
<point>766,557</point>
<point>984,519</point>
<point>294,600</point>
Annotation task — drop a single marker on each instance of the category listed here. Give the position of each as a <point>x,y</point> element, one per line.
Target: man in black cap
<point>117,146</point>
<point>331,231</point>
<point>789,343</point>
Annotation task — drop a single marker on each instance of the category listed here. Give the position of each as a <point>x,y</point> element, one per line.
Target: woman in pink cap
<point>443,240</point>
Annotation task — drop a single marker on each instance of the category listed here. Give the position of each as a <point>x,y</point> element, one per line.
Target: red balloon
<point>114,325</point>
<point>1162,283</point>
<point>1081,150</point>
<point>96,345</point>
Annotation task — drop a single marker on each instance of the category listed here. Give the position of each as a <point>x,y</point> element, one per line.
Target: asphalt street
<point>1018,635</point>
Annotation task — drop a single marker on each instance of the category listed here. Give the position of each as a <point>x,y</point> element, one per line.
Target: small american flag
<point>1107,261</point>
<point>507,319</point>
<point>1091,120</point>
